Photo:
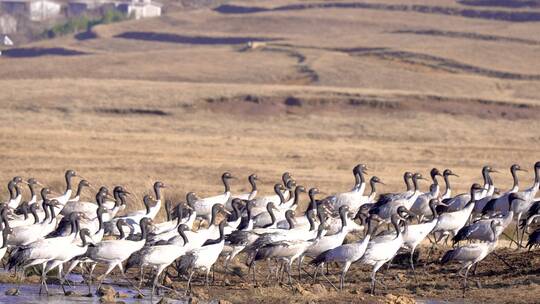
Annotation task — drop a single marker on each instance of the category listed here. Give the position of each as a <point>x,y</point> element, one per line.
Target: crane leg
<point>189,281</point>
<point>141,276</point>
<point>465,280</point>
<point>373,277</point>
<point>91,272</point>
<point>315,273</point>
<point>128,280</point>
<point>412,265</point>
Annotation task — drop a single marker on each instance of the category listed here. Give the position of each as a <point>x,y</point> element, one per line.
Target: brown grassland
<point>396,84</point>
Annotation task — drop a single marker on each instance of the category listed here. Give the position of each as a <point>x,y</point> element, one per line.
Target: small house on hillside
<point>139,9</point>
<point>8,24</point>
<point>36,10</point>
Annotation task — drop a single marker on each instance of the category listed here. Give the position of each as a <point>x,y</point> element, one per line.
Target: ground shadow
<point>502,3</point>
<point>38,52</point>
<point>500,15</point>
<point>182,39</point>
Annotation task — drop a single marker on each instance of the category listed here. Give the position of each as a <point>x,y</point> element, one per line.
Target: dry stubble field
<point>396,84</point>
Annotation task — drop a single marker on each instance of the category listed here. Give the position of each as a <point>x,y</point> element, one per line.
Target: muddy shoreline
<point>495,282</point>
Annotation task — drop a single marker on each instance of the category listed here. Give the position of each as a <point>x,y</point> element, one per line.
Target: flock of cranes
<point>50,232</point>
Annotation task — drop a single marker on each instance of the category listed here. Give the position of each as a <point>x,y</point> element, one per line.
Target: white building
<point>36,10</point>
<point>8,24</point>
<point>139,9</point>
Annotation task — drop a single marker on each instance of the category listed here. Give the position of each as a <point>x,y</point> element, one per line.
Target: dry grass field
<point>396,84</point>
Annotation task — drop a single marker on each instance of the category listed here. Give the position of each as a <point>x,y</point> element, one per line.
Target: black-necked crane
<point>448,187</point>
<point>252,179</point>
<point>287,250</point>
<point>415,234</point>
<point>421,205</point>
<point>24,235</point>
<point>82,184</point>
<point>114,252</point>
<point>382,249</point>
<point>133,218</point>
<point>64,198</point>
<point>261,201</point>
<point>328,242</point>
<point>352,197</point>
<point>449,223</point>
<point>158,257</point>
<point>203,206</point>
<point>15,193</point>
<point>5,233</point>
<point>263,219</point>
<point>481,230</point>
<point>345,254</point>
<point>384,198</point>
<point>459,201</point>
<point>204,257</point>
<point>259,208</point>
<point>471,254</point>
<point>42,251</point>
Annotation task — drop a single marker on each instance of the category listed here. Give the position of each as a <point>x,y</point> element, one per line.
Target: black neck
<point>357,180</point>
<point>32,189</point>
<point>513,171</point>
<point>45,207</point>
<point>179,214</point>
<point>43,195</point>
<point>120,229</point>
<point>17,190</point>
<point>68,182</point>
<point>272,216</point>
<point>297,192</point>
<point>168,207</point>
<point>281,197</point>
<point>312,202</point>
<point>183,235</point>
<point>226,184</point>
<point>447,182</point>
<point>83,239</point>
<point>395,223</point>
<point>253,184</point>
<point>343,216</point>
<point>157,192</point>
<point>52,213</point>
<point>5,233</point>
<point>407,183</point>
<point>248,211</point>
<point>34,214</point>
<point>434,179</point>
<point>24,209</point>
<point>3,214</point>
<point>537,175</point>
<point>290,221</point>
<point>373,186</point>
<point>147,205</point>
<point>100,221</point>
<point>144,232</point>
<point>99,199</point>
<point>415,183</point>
<point>11,188</point>
<point>79,189</point>
<point>213,216</point>
<point>236,212</point>
<point>311,222</point>
<point>360,177</point>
